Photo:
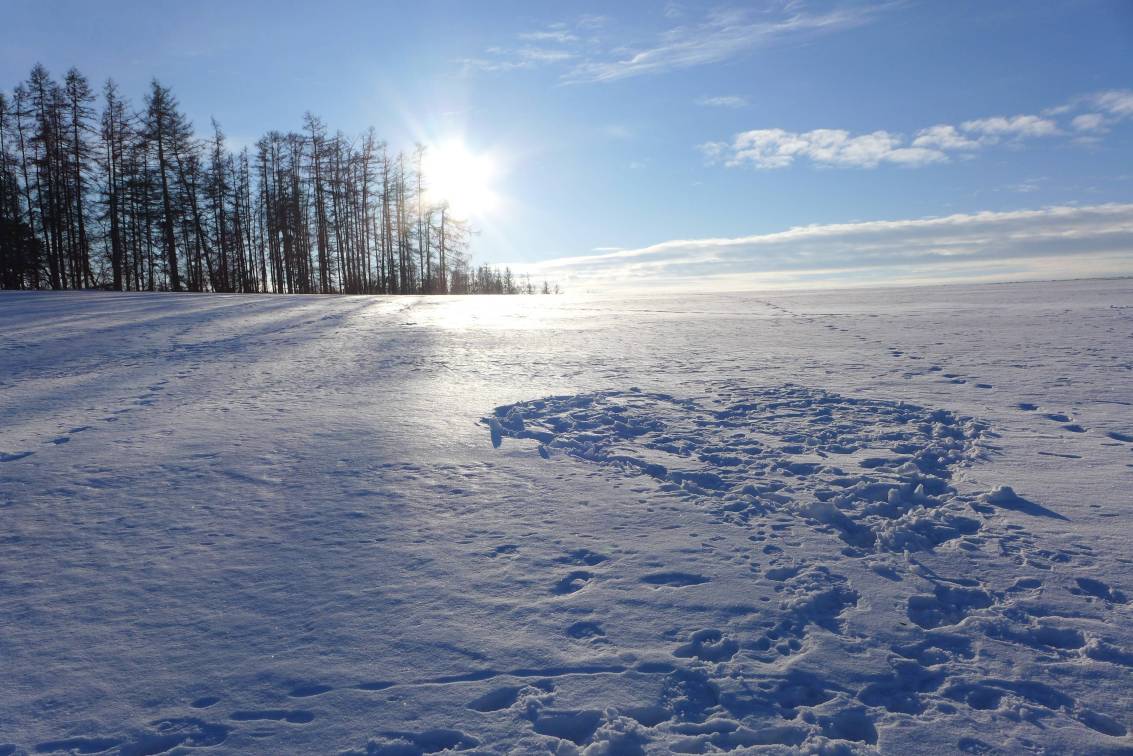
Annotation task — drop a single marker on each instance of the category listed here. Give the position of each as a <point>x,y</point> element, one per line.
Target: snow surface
<point>846,521</point>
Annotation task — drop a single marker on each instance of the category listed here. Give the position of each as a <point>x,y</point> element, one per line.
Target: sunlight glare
<point>460,177</point>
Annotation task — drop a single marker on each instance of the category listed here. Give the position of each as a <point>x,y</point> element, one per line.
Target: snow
<point>838,521</point>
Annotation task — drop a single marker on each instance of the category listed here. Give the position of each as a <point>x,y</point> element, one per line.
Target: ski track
<point>747,552</point>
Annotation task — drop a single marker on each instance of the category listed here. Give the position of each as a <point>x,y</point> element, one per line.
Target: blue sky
<point>659,142</point>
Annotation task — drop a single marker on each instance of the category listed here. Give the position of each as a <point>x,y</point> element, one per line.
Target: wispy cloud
<point>518,58</point>
<point>558,36</point>
<point>721,35</point>
<point>1050,242</point>
<point>716,36</point>
<point>557,43</point>
<point>779,148</point>
<point>723,101</point>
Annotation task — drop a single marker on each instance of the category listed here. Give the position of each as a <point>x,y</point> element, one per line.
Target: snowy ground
<point>280,524</point>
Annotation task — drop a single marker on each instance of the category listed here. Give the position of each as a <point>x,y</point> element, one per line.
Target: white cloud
<point>1019,126</point>
<point>777,148</point>
<point>1089,122</point>
<point>723,101</point>
<point>1063,241</point>
<point>944,137</point>
<point>1117,102</point>
<point>1098,112</point>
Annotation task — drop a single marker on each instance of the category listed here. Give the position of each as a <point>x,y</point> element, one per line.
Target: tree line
<point>97,194</point>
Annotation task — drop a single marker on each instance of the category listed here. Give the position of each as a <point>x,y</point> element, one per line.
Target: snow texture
<point>840,522</point>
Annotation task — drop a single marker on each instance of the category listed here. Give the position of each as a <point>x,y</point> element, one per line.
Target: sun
<point>460,178</point>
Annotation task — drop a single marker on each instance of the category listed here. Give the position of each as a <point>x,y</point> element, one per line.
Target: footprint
<point>1027,406</point>
<point>575,726</point>
<point>1103,724</point>
<point>1098,589</point>
<point>374,686</point>
<point>306,691</point>
<point>708,645</point>
<point>1058,417</point>
<point>1074,428</point>
<point>586,630</point>
<point>779,574</point>
<point>429,741</point>
<point>674,579</point>
<point>205,701</point>
<point>572,583</point>
<point>78,745</point>
<point>850,724</point>
<point>1120,437</point>
<point>494,700</point>
<point>291,716</point>
<point>13,456</point>
<point>583,557</point>
<point>168,734</point>
<point>946,606</point>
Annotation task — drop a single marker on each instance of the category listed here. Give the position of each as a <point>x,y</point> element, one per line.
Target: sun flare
<point>461,178</point>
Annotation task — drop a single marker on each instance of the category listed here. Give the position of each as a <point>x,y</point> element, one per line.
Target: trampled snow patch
<point>876,472</point>
<point>879,477</point>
